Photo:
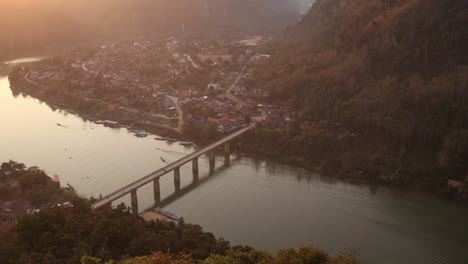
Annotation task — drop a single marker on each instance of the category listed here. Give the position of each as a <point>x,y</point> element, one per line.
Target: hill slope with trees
<point>380,87</point>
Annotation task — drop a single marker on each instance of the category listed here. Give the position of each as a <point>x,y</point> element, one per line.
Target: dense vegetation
<point>380,88</point>
<point>65,235</point>
<point>243,255</point>
<point>30,26</point>
<point>30,184</point>
<point>78,235</point>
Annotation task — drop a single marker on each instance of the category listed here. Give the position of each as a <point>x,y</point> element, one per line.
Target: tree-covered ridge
<point>61,235</point>
<point>242,255</point>
<point>116,236</point>
<point>380,87</point>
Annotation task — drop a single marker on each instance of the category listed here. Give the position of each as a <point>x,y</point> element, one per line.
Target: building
<point>226,125</point>
<point>457,185</point>
<point>213,121</point>
<point>153,216</point>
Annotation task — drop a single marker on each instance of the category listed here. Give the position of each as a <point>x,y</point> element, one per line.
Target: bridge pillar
<point>195,176</point>
<point>195,165</point>
<point>134,199</point>
<point>157,191</point>
<point>212,159</point>
<point>227,155</point>
<point>177,179</point>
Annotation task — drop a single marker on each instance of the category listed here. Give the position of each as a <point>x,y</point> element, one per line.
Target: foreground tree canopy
<point>78,235</point>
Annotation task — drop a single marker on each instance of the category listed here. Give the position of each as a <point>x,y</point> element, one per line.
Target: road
<point>175,100</point>
<point>233,85</point>
<point>161,172</point>
<point>191,61</point>
<point>263,116</point>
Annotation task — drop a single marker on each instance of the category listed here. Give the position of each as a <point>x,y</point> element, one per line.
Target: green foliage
<point>90,260</point>
<point>375,83</point>
<point>69,234</point>
<point>305,255</point>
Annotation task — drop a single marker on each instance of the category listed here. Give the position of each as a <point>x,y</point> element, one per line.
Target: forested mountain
<point>381,88</point>
<point>30,25</point>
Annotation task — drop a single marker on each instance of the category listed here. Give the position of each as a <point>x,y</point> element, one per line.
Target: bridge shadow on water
<point>196,183</point>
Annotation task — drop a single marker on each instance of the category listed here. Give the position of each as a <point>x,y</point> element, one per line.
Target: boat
<point>171,140</point>
<point>110,123</point>
<point>186,143</point>
<point>160,138</point>
<point>141,134</point>
<point>167,214</point>
<point>163,160</point>
<point>99,122</point>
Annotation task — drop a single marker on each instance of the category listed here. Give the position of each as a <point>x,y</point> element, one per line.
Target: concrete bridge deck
<point>131,188</point>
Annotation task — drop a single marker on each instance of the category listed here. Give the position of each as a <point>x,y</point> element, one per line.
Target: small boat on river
<point>187,143</point>
<point>141,134</point>
<point>167,214</point>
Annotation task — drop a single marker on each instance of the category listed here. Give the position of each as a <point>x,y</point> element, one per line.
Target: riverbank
<point>91,109</point>
<point>333,168</point>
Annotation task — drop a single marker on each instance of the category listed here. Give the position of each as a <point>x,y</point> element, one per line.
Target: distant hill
<point>381,87</point>
<point>30,25</point>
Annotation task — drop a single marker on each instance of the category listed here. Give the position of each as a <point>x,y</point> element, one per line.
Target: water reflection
<point>195,184</point>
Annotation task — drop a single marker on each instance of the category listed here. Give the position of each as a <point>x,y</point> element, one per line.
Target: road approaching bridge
<point>175,166</point>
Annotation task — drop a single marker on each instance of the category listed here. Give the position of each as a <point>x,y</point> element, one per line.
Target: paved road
<point>175,100</point>
<point>161,172</point>
<point>233,85</point>
<point>191,61</point>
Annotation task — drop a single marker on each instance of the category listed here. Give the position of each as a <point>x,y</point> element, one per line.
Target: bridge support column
<point>195,176</point>
<point>177,179</point>
<point>134,199</point>
<point>195,165</point>
<point>212,159</point>
<point>157,191</point>
<point>227,154</point>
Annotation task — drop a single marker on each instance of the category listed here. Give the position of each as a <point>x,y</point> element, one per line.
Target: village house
<point>456,185</point>
<point>225,125</point>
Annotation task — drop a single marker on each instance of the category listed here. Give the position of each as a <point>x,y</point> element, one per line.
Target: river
<point>253,202</point>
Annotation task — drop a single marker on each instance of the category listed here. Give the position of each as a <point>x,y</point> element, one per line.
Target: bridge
<point>173,167</point>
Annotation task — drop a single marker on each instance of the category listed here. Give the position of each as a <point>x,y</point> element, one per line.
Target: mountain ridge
<point>381,83</point>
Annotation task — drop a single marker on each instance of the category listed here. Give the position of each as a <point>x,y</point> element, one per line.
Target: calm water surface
<point>254,202</point>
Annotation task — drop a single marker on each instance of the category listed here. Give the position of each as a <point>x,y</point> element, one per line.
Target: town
<point>170,84</point>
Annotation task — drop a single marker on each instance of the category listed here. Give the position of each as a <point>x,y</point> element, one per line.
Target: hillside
<point>30,26</point>
<point>380,88</point>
